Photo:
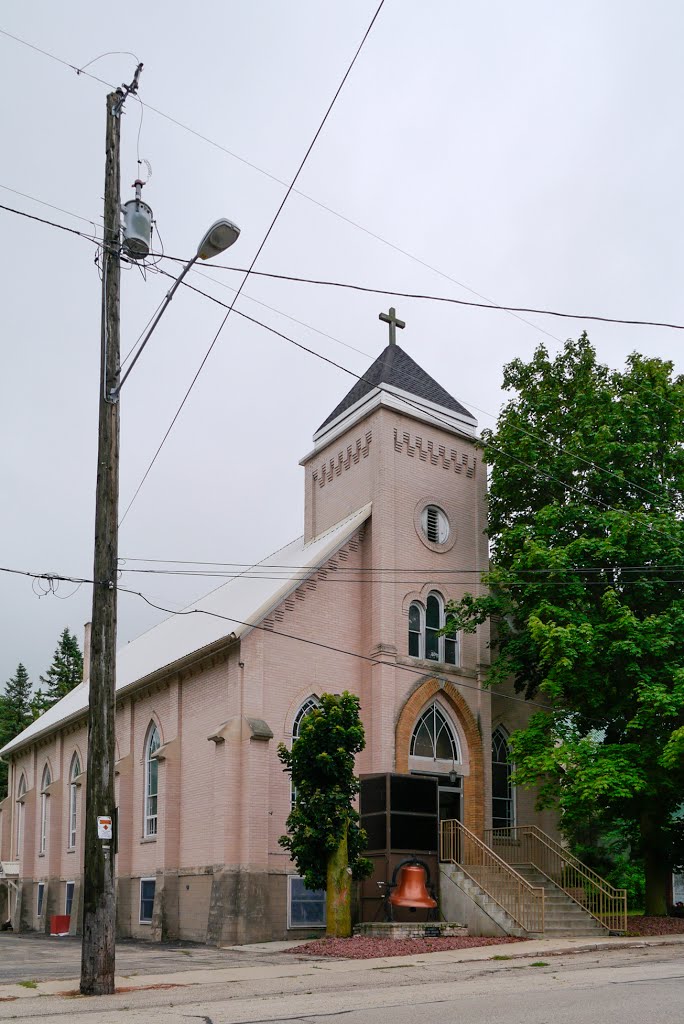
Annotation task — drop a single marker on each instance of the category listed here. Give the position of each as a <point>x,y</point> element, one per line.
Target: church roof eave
<point>399,401</point>
<point>234,609</point>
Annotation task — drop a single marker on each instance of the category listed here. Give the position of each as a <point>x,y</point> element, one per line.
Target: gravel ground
<point>363,947</point>
<point>655,925</point>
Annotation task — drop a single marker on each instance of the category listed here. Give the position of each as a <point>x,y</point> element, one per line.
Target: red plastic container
<point>59,924</point>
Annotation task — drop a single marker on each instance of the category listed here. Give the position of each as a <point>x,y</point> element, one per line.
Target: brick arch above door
<point>473,784</point>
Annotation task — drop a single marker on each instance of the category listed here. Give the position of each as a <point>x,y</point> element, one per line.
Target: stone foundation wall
<point>409,930</point>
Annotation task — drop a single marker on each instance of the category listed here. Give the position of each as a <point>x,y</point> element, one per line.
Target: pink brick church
<point>393,529</point>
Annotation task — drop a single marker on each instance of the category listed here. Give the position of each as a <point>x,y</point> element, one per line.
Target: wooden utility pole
<point>99,903</point>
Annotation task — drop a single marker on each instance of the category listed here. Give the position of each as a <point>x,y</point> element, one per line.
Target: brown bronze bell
<point>411,890</point>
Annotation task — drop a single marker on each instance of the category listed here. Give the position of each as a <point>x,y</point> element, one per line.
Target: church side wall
<point>280,674</point>
<point>514,715</point>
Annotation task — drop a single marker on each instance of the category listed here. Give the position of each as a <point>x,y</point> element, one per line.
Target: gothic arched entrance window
<point>433,737</point>
<point>434,750</point>
<point>503,797</point>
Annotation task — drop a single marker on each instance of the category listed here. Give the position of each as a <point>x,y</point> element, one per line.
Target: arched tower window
<point>424,640</point>
<point>21,793</point>
<point>503,797</point>
<point>434,738</point>
<point>416,637</point>
<point>151,780</point>
<point>73,795</point>
<point>45,782</point>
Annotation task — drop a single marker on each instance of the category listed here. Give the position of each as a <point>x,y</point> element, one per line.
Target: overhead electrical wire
<point>49,578</point>
<point>421,569</point>
<point>249,269</point>
<point>280,181</point>
<point>415,403</point>
<point>318,355</point>
<point>372,290</point>
<point>428,297</point>
<point>552,444</point>
<point>335,650</point>
<point>310,327</point>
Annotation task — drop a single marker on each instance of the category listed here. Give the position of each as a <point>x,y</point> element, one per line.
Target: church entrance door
<point>450,795</point>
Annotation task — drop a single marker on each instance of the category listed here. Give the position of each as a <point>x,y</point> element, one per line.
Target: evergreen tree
<point>65,672</point>
<point>15,714</point>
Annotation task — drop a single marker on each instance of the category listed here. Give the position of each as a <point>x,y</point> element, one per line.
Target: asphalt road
<point>36,957</point>
<point>610,987</point>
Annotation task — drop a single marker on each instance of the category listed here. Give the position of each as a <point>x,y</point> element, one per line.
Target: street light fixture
<point>219,237</point>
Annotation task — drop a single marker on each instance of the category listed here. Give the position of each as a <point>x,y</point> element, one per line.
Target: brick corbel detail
<point>473,784</point>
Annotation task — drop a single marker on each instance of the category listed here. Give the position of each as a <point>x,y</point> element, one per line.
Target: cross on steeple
<point>391,319</point>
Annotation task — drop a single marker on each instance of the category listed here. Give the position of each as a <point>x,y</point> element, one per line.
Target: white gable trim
<point>401,401</point>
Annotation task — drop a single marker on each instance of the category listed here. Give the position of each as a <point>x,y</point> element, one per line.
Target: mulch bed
<point>363,947</point>
<point>655,925</point>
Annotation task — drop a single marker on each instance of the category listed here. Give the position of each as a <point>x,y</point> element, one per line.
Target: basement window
<point>147,887</point>
<point>305,907</point>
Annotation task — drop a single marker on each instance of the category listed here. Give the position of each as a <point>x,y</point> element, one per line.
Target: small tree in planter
<point>323,834</point>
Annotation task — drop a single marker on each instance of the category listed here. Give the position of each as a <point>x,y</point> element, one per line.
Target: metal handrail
<point>523,902</point>
<point>527,844</point>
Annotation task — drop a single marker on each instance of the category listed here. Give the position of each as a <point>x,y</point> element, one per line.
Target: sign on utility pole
<point>99,905</point>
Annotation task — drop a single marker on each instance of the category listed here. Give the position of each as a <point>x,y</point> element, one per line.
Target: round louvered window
<point>435,524</point>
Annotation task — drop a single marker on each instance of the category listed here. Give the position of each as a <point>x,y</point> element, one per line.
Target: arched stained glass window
<point>503,801</point>
<point>309,704</point>
<point>21,793</point>
<point>73,796</point>
<point>433,737</point>
<point>45,782</point>
<point>151,780</point>
<point>307,707</point>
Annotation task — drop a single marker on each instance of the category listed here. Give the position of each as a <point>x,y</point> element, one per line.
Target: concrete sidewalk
<point>302,967</point>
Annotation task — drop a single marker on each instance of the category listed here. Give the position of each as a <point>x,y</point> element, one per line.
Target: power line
<point>51,206</point>
<point>522,430</point>
<point>439,298</point>
<point>275,178</point>
<point>422,569</point>
<point>366,288</point>
<point>249,270</point>
<point>418,584</point>
<point>544,474</point>
<point>417,405</point>
<point>329,647</point>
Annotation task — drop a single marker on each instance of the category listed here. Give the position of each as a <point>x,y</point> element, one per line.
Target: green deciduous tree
<point>65,672</point>
<point>586,521</point>
<point>15,714</point>
<point>324,837</point>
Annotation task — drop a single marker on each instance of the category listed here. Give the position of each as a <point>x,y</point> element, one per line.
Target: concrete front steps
<point>562,915</point>
<point>462,899</point>
<point>467,900</point>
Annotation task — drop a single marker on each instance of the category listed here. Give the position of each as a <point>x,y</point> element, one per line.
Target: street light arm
<point>116,391</point>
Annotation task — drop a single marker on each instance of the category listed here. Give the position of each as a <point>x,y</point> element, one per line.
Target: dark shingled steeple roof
<point>394,366</point>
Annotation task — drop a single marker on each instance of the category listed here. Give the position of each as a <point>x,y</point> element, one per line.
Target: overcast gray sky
<point>532,151</point>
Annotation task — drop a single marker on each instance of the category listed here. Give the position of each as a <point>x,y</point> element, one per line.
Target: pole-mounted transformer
<point>137,226</point>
